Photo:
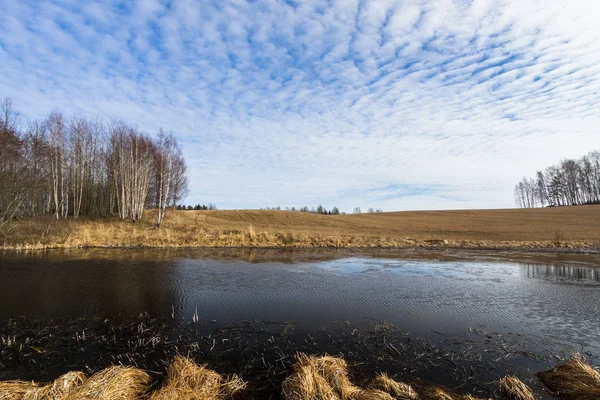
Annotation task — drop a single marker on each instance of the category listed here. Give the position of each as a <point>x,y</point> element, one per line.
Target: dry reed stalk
<point>113,383</point>
<point>186,380</point>
<point>512,388</point>
<point>399,390</point>
<point>573,379</point>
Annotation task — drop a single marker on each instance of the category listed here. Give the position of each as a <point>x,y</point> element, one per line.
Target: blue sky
<point>388,104</point>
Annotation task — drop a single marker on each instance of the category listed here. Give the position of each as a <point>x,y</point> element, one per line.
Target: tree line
<point>571,182</point>
<point>81,166</point>
<point>322,210</point>
<point>197,207</point>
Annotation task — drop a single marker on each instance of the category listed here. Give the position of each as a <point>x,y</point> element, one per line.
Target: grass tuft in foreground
<point>312,378</point>
<point>512,388</point>
<point>186,380</point>
<point>437,393</point>
<point>398,390</point>
<point>573,379</point>
<point>327,378</point>
<point>113,383</point>
<point>59,389</point>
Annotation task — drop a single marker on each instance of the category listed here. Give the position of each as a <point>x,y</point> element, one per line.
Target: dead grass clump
<point>371,394</point>
<point>398,390</point>
<point>251,233</point>
<point>113,383</point>
<point>16,390</point>
<point>59,389</point>
<point>512,388</point>
<point>306,384</point>
<point>326,378</point>
<point>573,379</point>
<point>186,380</point>
<point>436,393</point>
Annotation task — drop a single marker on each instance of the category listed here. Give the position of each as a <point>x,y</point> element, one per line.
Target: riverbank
<point>565,229</point>
<point>263,354</point>
<point>312,377</point>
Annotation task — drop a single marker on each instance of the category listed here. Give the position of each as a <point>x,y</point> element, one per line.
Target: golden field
<point>559,227</point>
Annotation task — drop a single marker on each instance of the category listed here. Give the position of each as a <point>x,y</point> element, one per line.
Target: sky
<point>398,105</point>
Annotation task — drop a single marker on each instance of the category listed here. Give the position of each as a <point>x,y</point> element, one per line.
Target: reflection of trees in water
<point>64,287</point>
<point>115,282</point>
<point>562,271</point>
<point>252,255</point>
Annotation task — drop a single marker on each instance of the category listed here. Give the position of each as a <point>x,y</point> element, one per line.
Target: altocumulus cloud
<point>391,104</point>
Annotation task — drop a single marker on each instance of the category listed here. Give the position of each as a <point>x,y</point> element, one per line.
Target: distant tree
<point>335,211</point>
<point>356,210</point>
<point>571,182</point>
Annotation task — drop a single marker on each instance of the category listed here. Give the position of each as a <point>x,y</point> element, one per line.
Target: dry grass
<point>512,388</point>
<point>436,393</point>
<point>573,379</point>
<point>398,390</point>
<point>113,383</point>
<point>323,378</point>
<point>326,378</point>
<point>313,378</point>
<point>16,390</point>
<point>188,381</point>
<point>185,381</point>
<point>531,228</point>
<point>57,390</point>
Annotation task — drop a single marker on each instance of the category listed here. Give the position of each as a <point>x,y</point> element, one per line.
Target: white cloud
<point>325,101</point>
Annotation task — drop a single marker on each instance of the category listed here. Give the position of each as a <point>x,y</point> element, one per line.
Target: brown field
<point>575,228</point>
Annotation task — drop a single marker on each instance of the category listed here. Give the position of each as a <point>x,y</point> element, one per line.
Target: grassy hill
<point>565,227</point>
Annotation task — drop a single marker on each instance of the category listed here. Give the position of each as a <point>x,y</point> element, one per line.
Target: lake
<point>548,303</point>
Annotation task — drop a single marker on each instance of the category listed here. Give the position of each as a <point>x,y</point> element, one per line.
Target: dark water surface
<point>422,293</point>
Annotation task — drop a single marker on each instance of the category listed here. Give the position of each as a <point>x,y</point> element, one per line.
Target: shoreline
<point>569,248</point>
<point>262,353</point>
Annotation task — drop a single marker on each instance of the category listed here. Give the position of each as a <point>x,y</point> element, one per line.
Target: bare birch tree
<point>82,167</point>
